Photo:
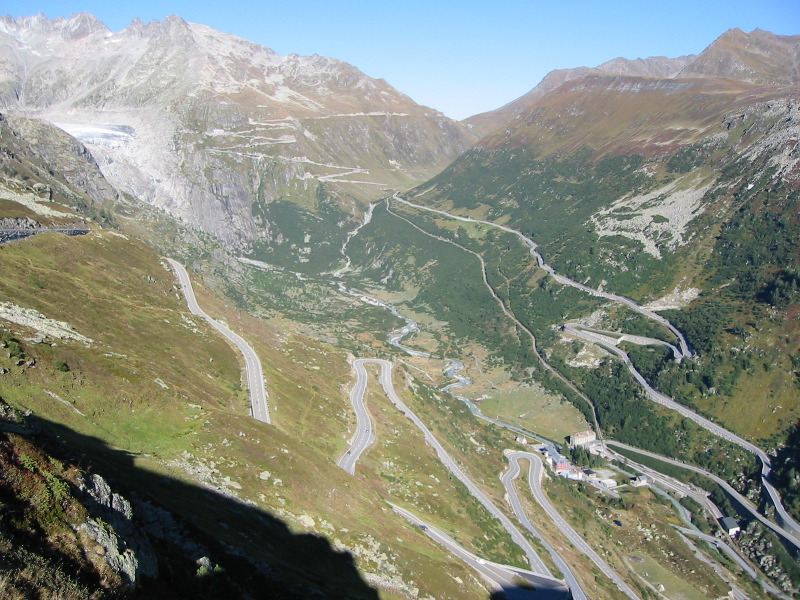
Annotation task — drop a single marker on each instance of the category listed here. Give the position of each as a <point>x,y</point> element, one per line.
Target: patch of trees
<point>449,281</point>
<point>12,346</point>
<point>291,225</point>
<point>786,471</point>
<point>685,160</point>
<point>756,255</point>
<point>582,457</point>
<point>702,324</point>
<point>550,200</point>
<point>624,414</point>
<point>784,289</point>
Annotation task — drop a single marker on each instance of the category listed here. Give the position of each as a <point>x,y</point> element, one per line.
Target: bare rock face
<point>121,559</point>
<point>40,159</point>
<point>110,524</point>
<point>19,223</point>
<point>205,125</point>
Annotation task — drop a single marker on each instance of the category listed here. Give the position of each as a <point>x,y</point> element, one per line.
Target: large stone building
<point>582,438</point>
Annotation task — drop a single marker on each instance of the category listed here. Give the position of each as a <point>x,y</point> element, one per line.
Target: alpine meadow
<point>271,329</point>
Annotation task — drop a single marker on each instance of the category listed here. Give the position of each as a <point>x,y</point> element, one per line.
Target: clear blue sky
<point>460,57</point>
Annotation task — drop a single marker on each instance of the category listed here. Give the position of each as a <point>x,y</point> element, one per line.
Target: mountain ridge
<point>756,57</point>
<point>733,55</point>
<point>656,66</point>
<point>626,184</point>
<point>219,126</point>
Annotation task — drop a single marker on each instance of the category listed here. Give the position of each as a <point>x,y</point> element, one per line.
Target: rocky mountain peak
<point>75,27</point>
<point>83,24</point>
<point>655,66</point>
<point>172,28</point>
<point>186,117</point>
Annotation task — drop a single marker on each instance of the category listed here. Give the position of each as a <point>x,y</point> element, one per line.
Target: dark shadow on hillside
<point>525,593</point>
<point>207,545</point>
<point>529,586</point>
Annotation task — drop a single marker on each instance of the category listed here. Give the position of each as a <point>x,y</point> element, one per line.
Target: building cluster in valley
<point>602,479</point>
<point>562,466</point>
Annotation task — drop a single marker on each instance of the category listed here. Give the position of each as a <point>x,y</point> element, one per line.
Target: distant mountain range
<point>210,127</point>
<point>674,182</point>
<point>757,57</point>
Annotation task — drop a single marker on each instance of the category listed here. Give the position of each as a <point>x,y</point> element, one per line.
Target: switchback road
<point>502,578</point>
<point>601,338</point>
<point>364,430</point>
<point>535,472</point>
<point>255,376</point>
<point>364,436</point>
<point>513,498</point>
<point>740,499</point>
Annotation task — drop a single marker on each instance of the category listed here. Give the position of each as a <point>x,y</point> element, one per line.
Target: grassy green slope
<point>158,393</point>
<point>578,185</point>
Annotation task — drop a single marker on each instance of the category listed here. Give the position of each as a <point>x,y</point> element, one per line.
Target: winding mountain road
<point>509,314</point>
<point>500,577</point>
<point>744,502</point>
<point>790,526</point>
<point>535,472</point>
<point>783,516</point>
<point>516,505</point>
<point>596,337</point>
<point>684,346</point>
<point>639,340</point>
<point>364,431</point>
<point>364,436</point>
<point>255,376</point>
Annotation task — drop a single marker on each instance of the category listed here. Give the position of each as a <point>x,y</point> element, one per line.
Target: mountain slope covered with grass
<point>131,464</point>
<point>681,192</point>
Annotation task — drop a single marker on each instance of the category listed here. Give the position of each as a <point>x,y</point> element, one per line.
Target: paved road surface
<point>740,499</point>
<point>364,436</point>
<point>790,526</point>
<point>500,577</point>
<point>639,340</point>
<point>666,482</point>
<point>535,472</point>
<point>513,498</point>
<point>255,377</point>
<point>726,549</point>
<point>361,433</point>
